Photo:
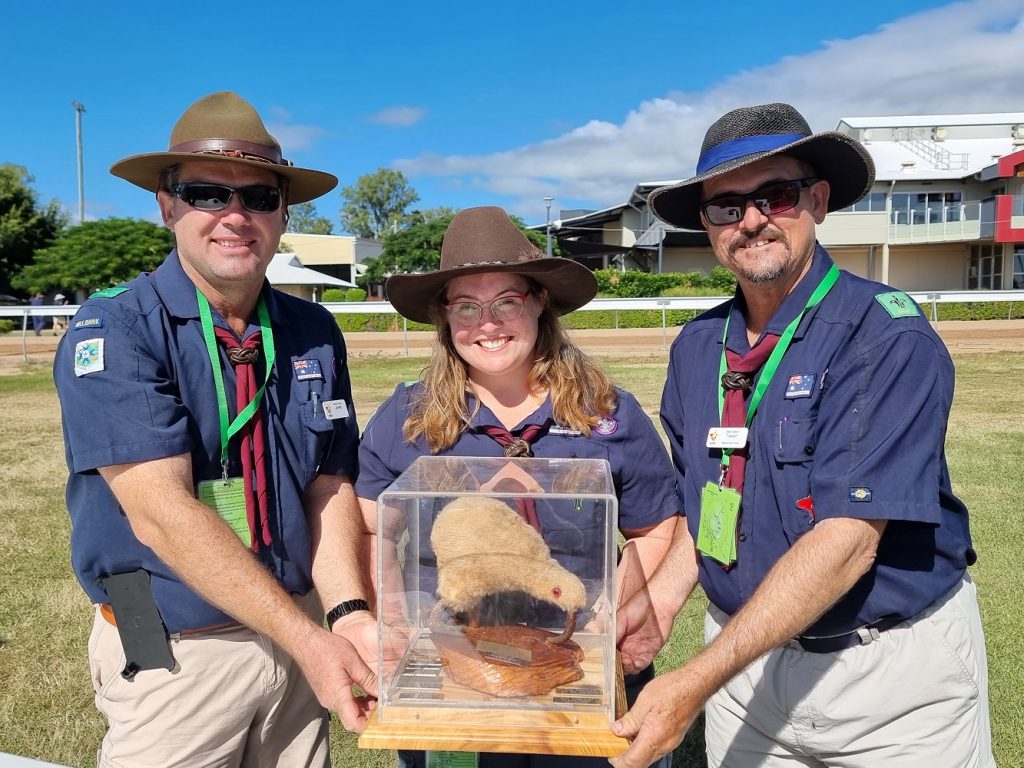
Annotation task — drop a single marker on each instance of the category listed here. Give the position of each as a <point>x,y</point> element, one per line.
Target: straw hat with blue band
<point>749,134</point>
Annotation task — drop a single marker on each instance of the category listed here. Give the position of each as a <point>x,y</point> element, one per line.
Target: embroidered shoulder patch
<point>109,293</point>
<point>898,304</point>
<point>89,322</point>
<point>88,356</point>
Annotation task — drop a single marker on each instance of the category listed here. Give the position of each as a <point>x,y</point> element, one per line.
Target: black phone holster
<point>142,631</point>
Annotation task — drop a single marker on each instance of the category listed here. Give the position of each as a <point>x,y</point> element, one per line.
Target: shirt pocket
<point>794,441</point>
<point>317,430</point>
<point>793,454</point>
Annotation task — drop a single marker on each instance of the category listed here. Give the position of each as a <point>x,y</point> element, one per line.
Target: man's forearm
<point>203,550</point>
<point>340,549</point>
<point>810,578</point>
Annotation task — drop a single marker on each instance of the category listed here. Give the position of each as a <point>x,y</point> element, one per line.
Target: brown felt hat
<point>223,127</point>
<point>749,134</point>
<point>485,239</point>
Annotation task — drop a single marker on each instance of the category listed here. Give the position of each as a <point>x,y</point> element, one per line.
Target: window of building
<point>985,270</point>
<point>926,207</point>
<point>1018,266</point>
<point>873,201</point>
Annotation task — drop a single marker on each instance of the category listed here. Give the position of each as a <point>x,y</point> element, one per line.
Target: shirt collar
<point>484,416</point>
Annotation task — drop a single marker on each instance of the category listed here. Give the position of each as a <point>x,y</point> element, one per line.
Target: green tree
<point>97,254</point>
<point>376,203</point>
<point>303,218</point>
<point>429,214</point>
<point>24,226</point>
<point>417,248</point>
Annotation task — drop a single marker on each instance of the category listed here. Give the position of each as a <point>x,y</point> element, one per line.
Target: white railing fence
<point>925,298</point>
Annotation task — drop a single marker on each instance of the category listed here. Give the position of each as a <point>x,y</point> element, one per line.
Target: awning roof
<point>286,269</point>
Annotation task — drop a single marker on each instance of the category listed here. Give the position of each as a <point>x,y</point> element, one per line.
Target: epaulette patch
<point>409,383</point>
<point>109,293</point>
<point>898,304</point>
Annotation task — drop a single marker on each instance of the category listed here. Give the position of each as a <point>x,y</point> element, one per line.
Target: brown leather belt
<point>108,613</point>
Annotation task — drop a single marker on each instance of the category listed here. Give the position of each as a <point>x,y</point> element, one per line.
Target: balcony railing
<point>939,223</point>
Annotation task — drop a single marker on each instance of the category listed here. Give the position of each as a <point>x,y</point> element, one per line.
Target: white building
<point>946,211</point>
<point>287,274</point>
<point>340,256</point>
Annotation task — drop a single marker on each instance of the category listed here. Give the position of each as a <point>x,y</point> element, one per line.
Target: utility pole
<point>79,109</point>
<point>547,203</point>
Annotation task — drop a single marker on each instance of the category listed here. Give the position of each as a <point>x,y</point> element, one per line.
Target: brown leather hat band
<point>245,150</point>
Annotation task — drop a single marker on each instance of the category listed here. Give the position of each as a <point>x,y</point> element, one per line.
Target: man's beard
<point>759,273</point>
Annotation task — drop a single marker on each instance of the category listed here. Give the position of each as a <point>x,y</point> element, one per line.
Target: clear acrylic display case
<point>495,584</point>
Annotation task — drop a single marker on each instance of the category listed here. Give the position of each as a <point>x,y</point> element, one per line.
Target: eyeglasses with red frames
<point>777,197</point>
<point>257,198</point>
<point>503,309</point>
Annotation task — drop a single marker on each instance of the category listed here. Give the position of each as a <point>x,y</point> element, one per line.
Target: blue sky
<point>480,103</point>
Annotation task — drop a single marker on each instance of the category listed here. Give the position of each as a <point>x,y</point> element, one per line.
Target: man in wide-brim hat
<point>806,418</point>
<point>210,437</point>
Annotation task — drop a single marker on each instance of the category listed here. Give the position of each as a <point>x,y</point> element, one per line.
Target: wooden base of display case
<point>538,733</point>
<point>571,718</point>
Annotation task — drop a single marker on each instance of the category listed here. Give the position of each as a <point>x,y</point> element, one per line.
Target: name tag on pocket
<point>335,409</point>
<point>727,437</point>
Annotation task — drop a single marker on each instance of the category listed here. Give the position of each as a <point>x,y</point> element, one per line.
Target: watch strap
<point>344,609</point>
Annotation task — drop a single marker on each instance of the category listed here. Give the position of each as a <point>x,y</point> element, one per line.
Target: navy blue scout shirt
<point>145,391</point>
<point>641,471</point>
<point>852,425</point>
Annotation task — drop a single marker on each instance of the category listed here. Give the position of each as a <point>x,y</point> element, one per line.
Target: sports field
<point>46,708</point>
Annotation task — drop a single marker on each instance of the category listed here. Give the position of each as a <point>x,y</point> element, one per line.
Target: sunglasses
<point>770,199</point>
<point>258,198</point>
<point>503,309</point>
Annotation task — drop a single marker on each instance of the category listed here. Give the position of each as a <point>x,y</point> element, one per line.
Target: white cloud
<point>398,116</point>
<point>295,138</point>
<point>960,58</point>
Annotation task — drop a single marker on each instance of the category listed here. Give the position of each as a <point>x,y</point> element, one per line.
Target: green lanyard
<point>768,372</point>
<point>227,431</point>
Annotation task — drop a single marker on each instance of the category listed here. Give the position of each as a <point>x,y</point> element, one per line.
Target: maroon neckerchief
<point>517,446</point>
<point>737,382</point>
<point>252,446</point>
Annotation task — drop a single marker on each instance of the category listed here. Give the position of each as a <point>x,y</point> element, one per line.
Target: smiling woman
<point>505,380</point>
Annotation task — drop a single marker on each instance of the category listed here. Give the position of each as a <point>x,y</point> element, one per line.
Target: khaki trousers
<point>233,699</point>
<point>916,697</point>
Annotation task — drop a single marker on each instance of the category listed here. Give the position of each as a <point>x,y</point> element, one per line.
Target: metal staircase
<point>921,143</point>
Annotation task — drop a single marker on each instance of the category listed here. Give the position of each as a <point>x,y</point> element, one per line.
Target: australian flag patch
<point>800,385</point>
<point>307,369</point>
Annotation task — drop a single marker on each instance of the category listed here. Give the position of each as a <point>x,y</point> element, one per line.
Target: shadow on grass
<point>691,753</point>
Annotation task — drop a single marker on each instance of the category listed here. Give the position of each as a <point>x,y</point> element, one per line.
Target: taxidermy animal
<point>483,547</point>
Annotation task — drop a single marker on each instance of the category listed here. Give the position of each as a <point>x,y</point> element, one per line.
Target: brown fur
<point>483,547</point>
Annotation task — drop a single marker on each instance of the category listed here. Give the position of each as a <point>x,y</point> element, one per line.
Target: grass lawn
<point>46,708</point>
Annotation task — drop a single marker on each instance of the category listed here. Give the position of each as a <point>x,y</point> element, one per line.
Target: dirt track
<point>961,336</point>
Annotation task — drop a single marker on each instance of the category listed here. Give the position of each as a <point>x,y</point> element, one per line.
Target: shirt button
<point>809,449</point>
<point>743,537</point>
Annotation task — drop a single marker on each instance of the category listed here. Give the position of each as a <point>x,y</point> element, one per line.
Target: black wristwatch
<point>344,609</point>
